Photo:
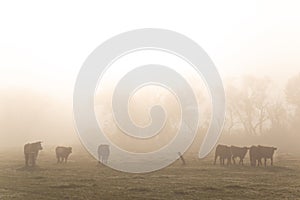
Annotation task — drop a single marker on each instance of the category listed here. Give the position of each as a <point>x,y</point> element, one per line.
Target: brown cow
<point>266,153</point>
<point>31,151</point>
<point>254,156</point>
<point>103,153</point>
<point>239,152</point>
<point>62,153</point>
<point>223,152</point>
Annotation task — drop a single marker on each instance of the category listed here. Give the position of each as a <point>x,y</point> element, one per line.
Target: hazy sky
<point>43,45</point>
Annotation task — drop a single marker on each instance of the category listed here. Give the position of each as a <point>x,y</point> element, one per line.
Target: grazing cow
<point>103,153</point>
<point>255,155</point>
<point>238,152</point>
<point>62,153</point>
<point>223,152</point>
<point>31,151</point>
<point>266,153</point>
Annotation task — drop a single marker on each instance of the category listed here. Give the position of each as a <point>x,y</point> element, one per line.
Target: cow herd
<point>256,154</point>
<point>225,153</point>
<point>31,151</point>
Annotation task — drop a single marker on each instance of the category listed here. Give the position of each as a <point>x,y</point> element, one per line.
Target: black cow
<point>31,151</point>
<point>255,157</point>
<point>62,153</point>
<point>103,153</point>
<point>239,152</point>
<point>266,153</point>
<point>261,152</point>
<point>223,152</point>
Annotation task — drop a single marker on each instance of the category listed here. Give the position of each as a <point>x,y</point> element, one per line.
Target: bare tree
<point>292,92</point>
<point>248,104</point>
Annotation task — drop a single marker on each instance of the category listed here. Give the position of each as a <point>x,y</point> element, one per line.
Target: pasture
<point>83,178</point>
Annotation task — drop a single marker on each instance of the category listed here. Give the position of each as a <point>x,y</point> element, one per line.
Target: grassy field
<point>84,178</point>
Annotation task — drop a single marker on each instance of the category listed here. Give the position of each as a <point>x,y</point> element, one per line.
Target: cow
<point>103,153</point>
<point>254,156</point>
<point>223,152</point>
<point>31,151</point>
<point>62,154</point>
<point>239,152</point>
<point>266,153</point>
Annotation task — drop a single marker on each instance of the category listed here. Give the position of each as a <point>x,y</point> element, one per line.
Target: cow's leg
<point>265,162</point>
<point>229,160</point>
<point>215,159</point>
<point>100,159</point>
<point>66,159</point>
<point>241,161</point>
<point>33,159</point>
<point>259,162</point>
<point>233,158</point>
<point>29,159</point>
<point>104,159</point>
<point>253,162</point>
<point>272,161</point>
<point>26,159</point>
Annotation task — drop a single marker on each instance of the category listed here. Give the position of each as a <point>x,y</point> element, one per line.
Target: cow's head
<point>69,149</point>
<point>39,145</point>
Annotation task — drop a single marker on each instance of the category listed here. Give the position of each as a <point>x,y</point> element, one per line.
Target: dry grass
<point>84,178</point>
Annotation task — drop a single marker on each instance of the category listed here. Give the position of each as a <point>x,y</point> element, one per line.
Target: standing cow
<point>255,157</point>
<point>103,153</point>
<point>223,152</point>
<point>239,152</point>
<point>62,154</point>
<point>266,153</point>
<point>31,151</point>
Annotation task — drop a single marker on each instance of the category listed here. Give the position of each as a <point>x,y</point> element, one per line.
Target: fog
<point>258,111</point>
<point>27,115</point>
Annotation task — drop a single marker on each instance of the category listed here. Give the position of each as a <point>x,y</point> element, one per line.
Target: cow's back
<point>223,151</point>
<point>266,152</point>
<point>238,151</point>
<point>61,151</point>
<point>103,149</point>
<point>255,155</point>
<point>28,148</point>
<point>254,152</point>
